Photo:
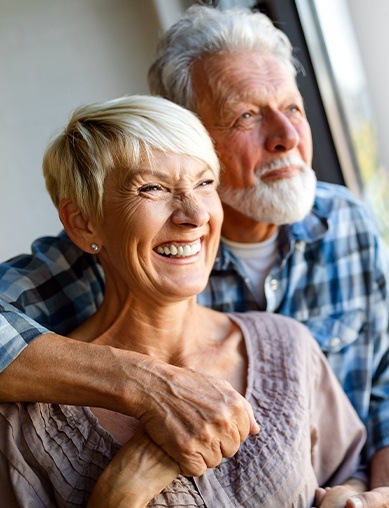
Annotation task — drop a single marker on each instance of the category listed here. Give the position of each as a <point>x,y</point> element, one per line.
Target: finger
<point>376,498</point>
<point>254,426</point>
<point>215,456</point>
<point>354,502</point>
<point>319,496</point>
<point>193,465</point>
<point>231,444</point>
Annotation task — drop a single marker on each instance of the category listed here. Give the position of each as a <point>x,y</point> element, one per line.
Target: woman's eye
<point>206,183</point>
<point>246,115</point>
<point>150,187</point>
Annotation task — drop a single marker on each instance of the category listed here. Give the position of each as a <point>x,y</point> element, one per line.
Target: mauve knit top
<point>52,455</point>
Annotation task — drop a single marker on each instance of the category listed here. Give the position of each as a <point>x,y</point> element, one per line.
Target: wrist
<point>143,379</point>
<point>356,485</point>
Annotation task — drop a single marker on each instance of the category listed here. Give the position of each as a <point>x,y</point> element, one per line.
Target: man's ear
<point>79,227</point>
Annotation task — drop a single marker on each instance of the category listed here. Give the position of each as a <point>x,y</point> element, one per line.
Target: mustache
<point>282,162</point>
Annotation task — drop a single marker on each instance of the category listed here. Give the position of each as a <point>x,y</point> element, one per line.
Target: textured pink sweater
<point>310,435</point>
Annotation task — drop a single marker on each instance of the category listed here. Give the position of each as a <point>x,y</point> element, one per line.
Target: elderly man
<point>290,246</point>
<point>326,268</point>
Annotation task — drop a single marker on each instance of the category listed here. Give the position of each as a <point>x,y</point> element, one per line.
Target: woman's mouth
<point>179,250</point>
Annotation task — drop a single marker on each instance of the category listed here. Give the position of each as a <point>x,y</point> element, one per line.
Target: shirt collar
<point>311,229</point>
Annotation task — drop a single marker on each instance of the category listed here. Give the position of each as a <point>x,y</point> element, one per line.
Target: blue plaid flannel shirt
<point>331,274</point>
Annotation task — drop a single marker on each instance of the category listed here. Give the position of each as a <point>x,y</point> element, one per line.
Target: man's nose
<point>282,134</point>
<point>189,211</point>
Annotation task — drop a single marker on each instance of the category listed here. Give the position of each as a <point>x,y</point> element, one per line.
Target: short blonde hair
<point>119,133</point>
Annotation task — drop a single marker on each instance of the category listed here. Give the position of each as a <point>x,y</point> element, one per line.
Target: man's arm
<point>378,497</point>
<point>195,419</point>
<point>379,469</point>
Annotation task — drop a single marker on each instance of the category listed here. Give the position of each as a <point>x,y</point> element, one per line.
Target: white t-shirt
<point>257,259</point>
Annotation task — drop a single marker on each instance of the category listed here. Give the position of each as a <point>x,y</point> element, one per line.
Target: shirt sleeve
<point>378,420</point>
<point>16,332</point>
<point>55,288</point>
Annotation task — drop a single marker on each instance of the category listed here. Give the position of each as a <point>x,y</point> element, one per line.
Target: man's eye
<point>246,120</point>
<point>150,187</point>
<point>295,109</point>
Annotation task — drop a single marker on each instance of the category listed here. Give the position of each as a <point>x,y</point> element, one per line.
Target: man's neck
<point>239,228</point>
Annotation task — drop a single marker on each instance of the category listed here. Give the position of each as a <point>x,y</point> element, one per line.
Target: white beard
<point>279,202</point>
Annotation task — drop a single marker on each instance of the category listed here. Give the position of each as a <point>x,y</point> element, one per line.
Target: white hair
<point>205,30</point>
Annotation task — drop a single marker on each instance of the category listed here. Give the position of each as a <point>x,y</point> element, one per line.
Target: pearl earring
<point>94,247</point>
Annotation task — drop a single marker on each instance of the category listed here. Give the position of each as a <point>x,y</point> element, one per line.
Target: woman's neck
<point>168,331</point>
<point>181,333</point>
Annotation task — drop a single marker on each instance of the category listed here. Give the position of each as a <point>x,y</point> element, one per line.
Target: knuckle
<point>231,451</point>
<point>194,466</point>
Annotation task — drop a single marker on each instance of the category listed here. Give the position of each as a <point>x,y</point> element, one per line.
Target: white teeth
<point>181,250</point>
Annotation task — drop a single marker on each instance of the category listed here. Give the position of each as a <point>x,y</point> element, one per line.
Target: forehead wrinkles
<point>247,78</point>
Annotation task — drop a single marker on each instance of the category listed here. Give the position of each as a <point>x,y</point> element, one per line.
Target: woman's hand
<point>375,498</point>
<point>139,471</point>
<point>339,496</point>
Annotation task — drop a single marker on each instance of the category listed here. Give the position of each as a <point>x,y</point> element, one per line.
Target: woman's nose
<point>190,212</point>
<point>282,135</point>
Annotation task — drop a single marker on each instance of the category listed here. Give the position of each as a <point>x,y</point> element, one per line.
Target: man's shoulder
<point>46,252</point>
<point>330,197</point>
<point>338,206</point>
<point>54,264</point>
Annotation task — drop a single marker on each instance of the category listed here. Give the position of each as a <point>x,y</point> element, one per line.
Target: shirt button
<point>217,260</point>
<point>334,342</point>
<point>247,280</point>
<point>274,284</point>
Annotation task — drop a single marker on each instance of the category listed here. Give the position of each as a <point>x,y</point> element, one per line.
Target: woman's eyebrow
<point>158,174</point>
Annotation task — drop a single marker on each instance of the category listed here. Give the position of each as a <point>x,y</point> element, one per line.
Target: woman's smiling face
<point>161,226</point>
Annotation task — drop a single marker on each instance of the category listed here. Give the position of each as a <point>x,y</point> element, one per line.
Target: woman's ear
<point>79,227</point>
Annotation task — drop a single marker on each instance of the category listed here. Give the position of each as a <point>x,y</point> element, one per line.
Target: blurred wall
<point>57,54</point>
<point>54,56</point>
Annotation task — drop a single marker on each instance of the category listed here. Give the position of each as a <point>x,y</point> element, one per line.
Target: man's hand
<point>197,420</point>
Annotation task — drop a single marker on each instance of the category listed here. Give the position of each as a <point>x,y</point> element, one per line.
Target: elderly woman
<point>134,181</point>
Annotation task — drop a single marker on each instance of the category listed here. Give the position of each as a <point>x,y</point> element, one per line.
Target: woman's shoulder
<point>273,336</point>
<point>274,327</point>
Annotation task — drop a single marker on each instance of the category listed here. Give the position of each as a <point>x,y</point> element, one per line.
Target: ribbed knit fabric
<point>52,455</point>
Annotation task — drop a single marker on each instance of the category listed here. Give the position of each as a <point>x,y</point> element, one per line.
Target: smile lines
<point>179,251</point>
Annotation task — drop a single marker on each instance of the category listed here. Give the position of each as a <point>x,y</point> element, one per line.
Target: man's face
<point>253,110</point>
